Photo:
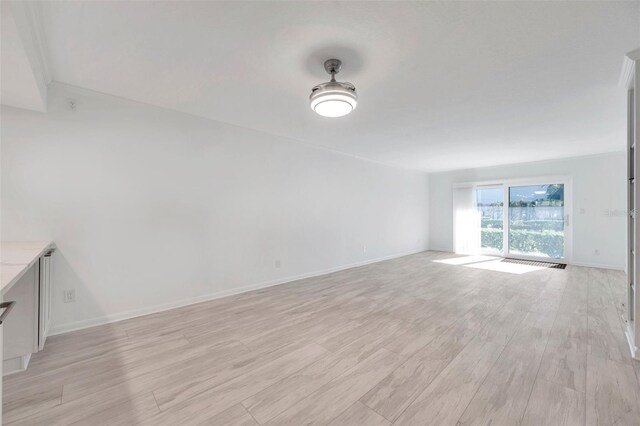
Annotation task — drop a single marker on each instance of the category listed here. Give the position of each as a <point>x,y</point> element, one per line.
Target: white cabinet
<point>21,328</point>
<point>6,308</point>
<point>1,374</point>
<point>631,79</point>
<point>26,279</point>
<point>44,314</point>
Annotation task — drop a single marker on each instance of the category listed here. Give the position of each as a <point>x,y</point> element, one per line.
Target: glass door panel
<point>536,221</point>
<point>490,205</point>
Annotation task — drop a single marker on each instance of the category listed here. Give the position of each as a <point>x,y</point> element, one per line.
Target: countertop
<point>16,257</point>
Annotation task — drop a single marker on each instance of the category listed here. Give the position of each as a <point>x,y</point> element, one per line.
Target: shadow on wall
<point>79,375</point>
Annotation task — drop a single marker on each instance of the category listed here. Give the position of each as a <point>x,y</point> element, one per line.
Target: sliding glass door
<point>524,219</point>
<point>537,221</point>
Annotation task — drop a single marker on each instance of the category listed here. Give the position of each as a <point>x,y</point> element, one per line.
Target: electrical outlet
<point>364,249</point>
<point>277,264</point>
<point>69,296</point>
<point>596,252</point>
<point>72,104</point>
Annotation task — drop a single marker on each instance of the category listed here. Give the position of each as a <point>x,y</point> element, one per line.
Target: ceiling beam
<point>25,67</point>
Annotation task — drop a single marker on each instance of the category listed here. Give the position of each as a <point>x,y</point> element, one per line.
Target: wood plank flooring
<point>418,340</point>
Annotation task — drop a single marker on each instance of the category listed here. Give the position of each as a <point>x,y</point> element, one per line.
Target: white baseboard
<point>598,265</point>
<point>111,318</point>
<point>630,340</point>
<point>15,365</point>
<point>446,250</point>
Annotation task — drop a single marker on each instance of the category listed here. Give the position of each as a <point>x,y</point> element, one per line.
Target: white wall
<point>151,208</point>
<point>599,185</point>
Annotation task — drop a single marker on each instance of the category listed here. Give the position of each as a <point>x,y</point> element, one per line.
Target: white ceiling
<point>23,81</point>
<point>442,85</point>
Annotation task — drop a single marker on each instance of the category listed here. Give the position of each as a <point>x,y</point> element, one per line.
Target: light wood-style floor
<point>410,341</point>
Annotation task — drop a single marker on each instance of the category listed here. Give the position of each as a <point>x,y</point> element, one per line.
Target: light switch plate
<point>69,296</point>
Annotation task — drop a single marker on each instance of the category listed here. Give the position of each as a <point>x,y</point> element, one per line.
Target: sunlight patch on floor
<point>490,263</point>
<point>464,260</point>
<point>500,266</point>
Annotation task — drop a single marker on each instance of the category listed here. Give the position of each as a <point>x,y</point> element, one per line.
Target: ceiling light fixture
<point>333,99</point>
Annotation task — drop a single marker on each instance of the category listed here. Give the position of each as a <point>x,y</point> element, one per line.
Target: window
<point>536,220</point>
<point>514,218</point>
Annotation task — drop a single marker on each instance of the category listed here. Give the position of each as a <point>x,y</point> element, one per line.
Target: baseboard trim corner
<point>15,365</point>
<point>445,250</point>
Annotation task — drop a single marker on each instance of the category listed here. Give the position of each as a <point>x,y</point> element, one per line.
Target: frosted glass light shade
<point>333,99</point>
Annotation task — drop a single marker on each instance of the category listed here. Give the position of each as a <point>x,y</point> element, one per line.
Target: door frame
<point>567,181</point>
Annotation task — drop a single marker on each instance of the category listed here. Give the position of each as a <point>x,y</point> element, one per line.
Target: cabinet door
<point>44,299</point>
<point>6,308</point>
<point>1,372</point>
<point>21,327</point>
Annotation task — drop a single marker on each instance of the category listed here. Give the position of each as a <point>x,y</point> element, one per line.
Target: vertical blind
<point>466,221</point>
